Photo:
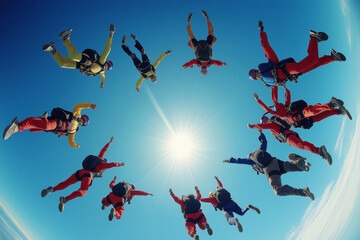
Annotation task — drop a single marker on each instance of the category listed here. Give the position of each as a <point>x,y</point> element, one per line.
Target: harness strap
<point>108,199</point>
<point>195,221</point>
<point>119,204</point>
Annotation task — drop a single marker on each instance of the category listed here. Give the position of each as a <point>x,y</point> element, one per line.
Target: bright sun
<point>181,146</point>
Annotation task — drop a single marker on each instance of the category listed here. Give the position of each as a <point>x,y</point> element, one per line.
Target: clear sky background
<point>213,109</point>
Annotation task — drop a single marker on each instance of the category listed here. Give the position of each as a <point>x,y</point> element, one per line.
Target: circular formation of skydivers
<point>274,74</point>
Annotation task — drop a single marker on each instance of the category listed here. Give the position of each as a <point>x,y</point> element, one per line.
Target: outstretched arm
<point>287,96</point>
<point>258,125</point>
<point>80,106</point>
<point>219,183</point>
<point>112,183</point>
<point>240,161</point>
<point>138,193</point>
<point>217,63</point>
<point>156,63</point>
<point>263,141</point>
<point>103,166</point>
<point>198,194</point>
<point>104,149</point>
<point>190,64</point>
<point>71,139</point>
<point>139,82</point>
<point>176,199</point>
<point>263,105</point>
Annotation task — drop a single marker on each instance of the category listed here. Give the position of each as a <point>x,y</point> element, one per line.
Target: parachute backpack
<point>192,205</point>
<point>203,52</point>
<point>261,158</point>
<point>90,162</point>
<point>121,190</point>
<point>62,116</point>
<point>222,196</point>
<point>93,57</point>
<point>295,109</point>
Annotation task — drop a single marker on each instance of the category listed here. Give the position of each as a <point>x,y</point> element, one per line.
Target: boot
<point>254,208</point>
<point>318,36</point>
<point>46,191</point>
<point>45,115</point>
<point>190,17</point>
<point>112,213</point>
<point>50,47</point>
<point>308,193</point>
<point>62,203</point>
<point>337,56</point>
<point>344,111</point>
<point>307,166</point>
<point>205,14</point>
<point>65,34</point>
<point>11,129</point>
<point>123,40</point>
<point>238,225</point>
<point>133,36</point>
<point>334,102</point>
<point>324,154</point>
<point>209,230</point>
<point>103,207</point>
<point>294,157</point>
<point>196,237</point>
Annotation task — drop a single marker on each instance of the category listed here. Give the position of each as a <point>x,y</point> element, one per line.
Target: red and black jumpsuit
<point>85,177</point>
<point>291,137</point>
<point>119,202</point>
<point>192,218</point>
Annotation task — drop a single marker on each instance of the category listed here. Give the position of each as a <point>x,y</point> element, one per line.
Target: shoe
<point>196,237</point>
<point>48,47</point>
<point>45,115</point>
<point>112,213</point>
<point>294,157</point>
<point>62,203</point>
<point>190,17</point>
<point>308,193</point>
<point>205,14</point>
<point>46,191</point>
<point>112,28</point>
<point>238,225</point>
<point>254,208</point>
<point>133,36</point>
<point>65,34</point>
<point>123,40</point>
<point>337,56</point>
<point>318,36</point>
<point>334,102</point>
<point>209,230</point>
<point>344,111</point>
<point>103,207</point>
<point>307,166</point>
<point>324,154</point>
<point>11,129</point>
<point>261,26</point>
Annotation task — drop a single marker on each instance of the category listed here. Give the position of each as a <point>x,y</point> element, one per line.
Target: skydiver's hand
<point>196,188</point>
<point>138,89</point>
<point>122,164</point>
<point>102,85</point>
<point>184,66</point>
<point>151,194</point>
<point>168,51</point>
<point>256,96</point>
<point>111,139</point>
<point>224,64</point>
<point>226,161</point>
<point>114,178</point>
<point>261,27</point>
<point>170,191</point>
<point>93,106</point>
<point>249,125</point>
<point>112,28</point>
<point>77,146</point>
<point>216,178</point>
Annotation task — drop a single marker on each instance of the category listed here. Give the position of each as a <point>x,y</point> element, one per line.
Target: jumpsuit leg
<point>40,124</point>
<point>105,202</point>
<point>64,62</point>
<point>191,228</point>
<point>202,223</point>
<point>72,51</point>
<point>322,61</point>
<point>139,47</point>
<point>85,184</point>
<point>300,144</point>
<point>313,110</point>
<point>136,61</point>
<point>324,115</point>
<point>307,62</point>
<point>294,166</point>
<point>210,27</point>
<point>119,212</point>
<point>191,36</point>
<point>240,211</point>
<point>283,190</point>
<point>229,215</point>
<point>70,181</point>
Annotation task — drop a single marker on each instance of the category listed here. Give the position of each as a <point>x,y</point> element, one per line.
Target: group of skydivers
<point>274,73</point>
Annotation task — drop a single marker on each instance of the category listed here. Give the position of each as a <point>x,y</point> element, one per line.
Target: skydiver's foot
<point>133,36</point>
<point>45,115</point>
<point>123,40</point>
<point>344,111</point>
<point>209,230</point>
<point>295,157</point>
<point>11,129</point>
<point>318,36</point>
<point>307,166</point>
<point>46,191</point>
<point>196,237</point>
<point>65,34</point>
<point>112,28</point>
<point>309,194</point>
<point>112,213</point>
<point>238,225</point>
<point>190,17</point>
<point>103,207</point>
<point>324,154</point>
<point>62,203</point>
<point>205,14</point>
<point>334,102</point>
<point>337,56</point>
<point>50,47</point>
<point>254,208</point>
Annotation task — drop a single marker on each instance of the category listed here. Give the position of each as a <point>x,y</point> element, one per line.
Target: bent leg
<point>72,51</point>
<point>210,27</point>
<point>324,115</point>
<point>105,202</point>
<point>322,61</point>
<point>136,61</point>
<point>202,223</point>
<point>240,211</point>
<point>64,62</point>
<point>229,217</point>
<point>40,124</point>
<point>307,62</point>
<point>119,212</point>
<point>300,144</point>
<point>85,183</point>
<point>70,181</point>
<point>193,40</point>
<point>313,110</point>
<point>191,228</point>
<point>283,190</point>
<point>139,47</point>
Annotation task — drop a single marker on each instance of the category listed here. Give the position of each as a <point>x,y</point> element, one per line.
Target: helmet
<point>105,160</point>
<point>132,186</point>
<point>153,78</point>
<point>251,74</point>
<point>110,64</point>
<point>86,120</point>
<point>264,119</point>
<point>210,194</point>
<point>203,71</point>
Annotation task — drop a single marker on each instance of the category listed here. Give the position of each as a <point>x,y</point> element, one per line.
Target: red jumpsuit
<point>292,138</point>
<point>35,124</point>
<point>119,202</point>
<point>309,63</point>
<point>190,226</point>
<point>85,177</point>
<point>203,64</point>
<point>317,112</point>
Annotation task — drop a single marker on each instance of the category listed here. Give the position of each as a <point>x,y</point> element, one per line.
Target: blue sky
<point>214,109</point>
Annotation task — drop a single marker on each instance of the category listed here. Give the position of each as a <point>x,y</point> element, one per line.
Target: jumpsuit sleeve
<point>263,141</point>
<point>269,52</point>
<point>80,106</point>
<point>263,126</point>
<point>266,108</point>
<point>198,195</point>
<point>190,63</point>
<point>71,139</point>
<point>139,82</point>
<point>219,183</point>
<point>103,166</point>
<point>102,74</point>
<point>156,63</point>
<point>112,184</point>
<point>216,62</point>
<point>106,51</point>
<point>209,200</point>
<point>103,150</point>
<point>274,94</point>
<point>287,97</point>
<point>176,199</point>
<point>242,161</point>
<point>137,193</point>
